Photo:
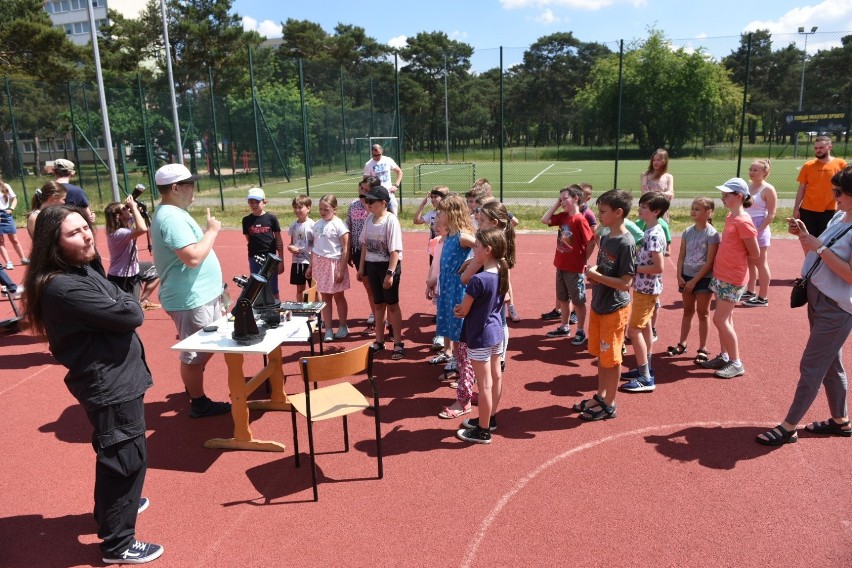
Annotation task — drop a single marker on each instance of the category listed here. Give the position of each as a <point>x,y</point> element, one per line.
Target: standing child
<point>612,277</point>
<point>698,246</point>
<point>438,193</point>
<point>8,203</point>
<point>263,235</point>
<point>730,275</point>
<point>762,214</point>
<point>482,329</point>
<point>301,242</point>
<point>124,224</point>
<point>647,287</point>
<point>454,214</point>
<point>381,266</point>
<point>570,259</point>
<point>355,218</point>
<point>433,291</point>
<point>329,265</point>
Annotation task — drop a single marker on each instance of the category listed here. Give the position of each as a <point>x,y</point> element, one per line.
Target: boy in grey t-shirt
<point>611,278</point>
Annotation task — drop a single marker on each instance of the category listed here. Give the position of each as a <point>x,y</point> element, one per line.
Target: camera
<point>143,209</point>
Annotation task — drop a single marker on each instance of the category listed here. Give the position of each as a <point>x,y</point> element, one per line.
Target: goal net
<point>458,176</point>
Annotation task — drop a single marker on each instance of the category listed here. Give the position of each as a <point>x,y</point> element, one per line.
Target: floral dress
<point>452,289</point>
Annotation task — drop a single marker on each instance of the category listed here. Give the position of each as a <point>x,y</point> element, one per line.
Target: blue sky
<point>518,23</point>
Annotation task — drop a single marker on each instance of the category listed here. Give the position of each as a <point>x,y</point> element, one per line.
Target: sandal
<point>583,405</point>
<point>453,384</point>
<point>678,350</point>
<point>605,412</point>
<point>702,356</point>
<point>778,436</point>
<point>398,351</point>
<point>831,428</point>
<point>377,346</point>
<point>439,358</point>
<point>453,413</point>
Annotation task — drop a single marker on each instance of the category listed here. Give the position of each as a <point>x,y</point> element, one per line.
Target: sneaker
<point>138,553</point>
<point>329,336</point>
<point>572,318</point>
<point>552,315</point>
<point>204,407</point>
<point>731,370</point>
<point>635,374</point>
<point>438,343</point>
<point>342,332</point>
<point>747,295</point>
<point>25,261</point>
<point>10,266</point>
<point>654,335</point>
<point>716,362</point>
<point>561,331</point>
<point>639,385</point>
<point>371,319</point>
<point>451,366</point>
<point>143,504</point>
<point>756,301</point>
<point>579,338</point>
<point>476,435</point>
<point>474,423</point>
<point>513,313</point>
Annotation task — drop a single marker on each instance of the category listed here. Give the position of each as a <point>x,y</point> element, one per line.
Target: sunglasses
<point>837,192</point>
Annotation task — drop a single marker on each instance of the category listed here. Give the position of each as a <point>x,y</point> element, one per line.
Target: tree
<point>30,45</point>
<point>670,96</point>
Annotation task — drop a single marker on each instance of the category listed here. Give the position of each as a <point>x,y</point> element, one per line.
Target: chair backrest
<point>337,365</point>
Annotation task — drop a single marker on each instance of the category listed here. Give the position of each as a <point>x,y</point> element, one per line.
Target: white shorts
<point>191,321</point>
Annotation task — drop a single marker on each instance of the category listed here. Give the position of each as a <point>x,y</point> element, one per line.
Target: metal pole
<point>113,175</point>
<point>15,140</point>
<point>305,141</point>
<point>618,111</point>
<point>745,104</point>
<point>802,84</point>
<point>446,111</point>
<point>149,151</point>
<point>254,104</point>
<point>502,125</point>
<point>398,122</point>
<point>343,123</point>
<point>171,77</point>
<point>215,140</point>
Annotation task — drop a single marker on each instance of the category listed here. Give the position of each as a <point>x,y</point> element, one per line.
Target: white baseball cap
<point>734,185</point>
<point>256,193</point>
<point>174,173</point>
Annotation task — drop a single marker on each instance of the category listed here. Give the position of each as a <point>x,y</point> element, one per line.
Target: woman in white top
<point>762,214</point>
<point>329,264</point>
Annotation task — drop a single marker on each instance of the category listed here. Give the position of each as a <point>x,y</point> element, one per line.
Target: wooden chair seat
<point>330,402</point>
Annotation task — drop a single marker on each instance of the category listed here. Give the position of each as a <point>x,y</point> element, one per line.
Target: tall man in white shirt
<point>381,166</point>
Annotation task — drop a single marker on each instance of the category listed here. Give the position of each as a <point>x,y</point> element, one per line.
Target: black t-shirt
<point>261,233</point>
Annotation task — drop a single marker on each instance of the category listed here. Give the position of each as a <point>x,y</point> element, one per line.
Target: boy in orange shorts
<point>611,279</point>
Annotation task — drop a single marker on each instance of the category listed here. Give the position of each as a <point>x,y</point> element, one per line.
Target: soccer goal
<point>458,176</point>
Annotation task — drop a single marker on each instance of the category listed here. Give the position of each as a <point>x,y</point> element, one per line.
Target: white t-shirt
<point>379,239</point>
<point>327,237</point>
<point>302,235</point>
<point>382,170</point>
<point>6,203</point>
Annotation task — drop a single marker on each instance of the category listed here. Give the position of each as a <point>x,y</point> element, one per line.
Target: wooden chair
<point>311,295</point>
<point>335,401</point>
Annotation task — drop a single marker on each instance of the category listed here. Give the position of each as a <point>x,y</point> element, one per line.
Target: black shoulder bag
<point>799,293</point>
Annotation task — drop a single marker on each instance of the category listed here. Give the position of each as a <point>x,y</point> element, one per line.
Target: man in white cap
<point>63,170</point>
<point>190,276</point>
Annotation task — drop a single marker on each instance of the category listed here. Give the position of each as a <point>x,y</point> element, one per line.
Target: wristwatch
<point>820,250</point>
<point>389,272</point>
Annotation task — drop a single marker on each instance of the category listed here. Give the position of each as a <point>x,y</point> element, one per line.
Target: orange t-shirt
<point>817,179</point>
<point>731,264</point>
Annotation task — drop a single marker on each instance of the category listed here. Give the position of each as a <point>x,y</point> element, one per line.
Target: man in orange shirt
<point>815,204</point>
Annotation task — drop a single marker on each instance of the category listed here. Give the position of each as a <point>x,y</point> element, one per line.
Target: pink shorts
<point>324,270</point>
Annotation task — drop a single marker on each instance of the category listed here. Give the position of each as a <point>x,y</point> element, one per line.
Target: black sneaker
<point>476,435</point>
<point>474,423</point>
<point>551,315</point>
<point>561,331</point>
<point>138,553</point>
<point>143,504</point>
<point>572,318</point>
<point>204,407</point>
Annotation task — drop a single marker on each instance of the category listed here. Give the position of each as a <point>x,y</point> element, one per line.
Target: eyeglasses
<point>837,192</point>
<point>376,155</point>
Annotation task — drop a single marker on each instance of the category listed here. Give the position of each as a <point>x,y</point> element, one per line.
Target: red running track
<point>675,480</point>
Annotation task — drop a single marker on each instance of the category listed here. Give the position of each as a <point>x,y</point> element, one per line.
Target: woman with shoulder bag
<point>830,319</point>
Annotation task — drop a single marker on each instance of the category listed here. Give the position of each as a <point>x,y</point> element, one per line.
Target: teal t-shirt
<point>182,287</point>
<point>663,225</point>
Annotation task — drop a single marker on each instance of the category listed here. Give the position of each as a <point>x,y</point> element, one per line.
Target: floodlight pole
<point>446,111</point>
<point>113,175</point>
<point>171,81</point>
<point>802,85</point>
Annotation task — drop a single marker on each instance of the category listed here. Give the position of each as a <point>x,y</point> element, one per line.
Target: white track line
<point>480,535</point>
<point>25,379</point>
<point>541,172</point>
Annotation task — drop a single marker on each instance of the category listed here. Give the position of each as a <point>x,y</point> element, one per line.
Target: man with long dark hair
<point>90,326</point>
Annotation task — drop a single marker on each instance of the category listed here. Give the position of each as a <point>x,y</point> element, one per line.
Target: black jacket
<point>91,328</point>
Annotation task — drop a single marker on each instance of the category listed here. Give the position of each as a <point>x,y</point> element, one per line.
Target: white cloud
<point>547,17</point>
<point>590,5</point>
<point>829,15</point>
<point>398,42</point>
<point>458,35</point>
<point>266,28</point>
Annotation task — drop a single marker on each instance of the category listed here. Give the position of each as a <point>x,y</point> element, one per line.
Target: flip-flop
<point>451,413</point>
